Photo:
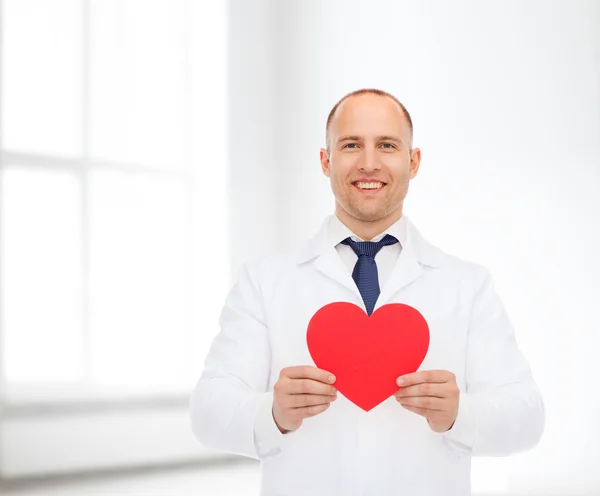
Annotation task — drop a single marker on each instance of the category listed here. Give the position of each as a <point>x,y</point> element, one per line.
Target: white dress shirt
<point>345,451</point>
<point>385,258</point>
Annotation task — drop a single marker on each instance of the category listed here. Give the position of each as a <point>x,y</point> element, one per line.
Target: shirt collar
<point>337,231</point>
<point>407,234</point>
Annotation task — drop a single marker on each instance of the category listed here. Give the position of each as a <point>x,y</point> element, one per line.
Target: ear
<point>324,157</point>
<point>415,161</point>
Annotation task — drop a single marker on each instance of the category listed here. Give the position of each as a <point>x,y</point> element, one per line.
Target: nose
<point>370,162</point>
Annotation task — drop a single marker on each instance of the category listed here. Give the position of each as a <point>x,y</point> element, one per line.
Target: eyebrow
<point>350,138</point>
<point>391,138</point>
<point>379,138</point>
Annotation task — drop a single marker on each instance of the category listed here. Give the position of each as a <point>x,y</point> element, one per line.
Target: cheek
<point>340,173</point>
<point>399,171</point>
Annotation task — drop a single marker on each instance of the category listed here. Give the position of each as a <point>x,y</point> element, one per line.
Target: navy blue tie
<point>365,271</point>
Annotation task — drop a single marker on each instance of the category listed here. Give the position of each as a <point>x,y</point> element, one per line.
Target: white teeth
<point>369,185</point>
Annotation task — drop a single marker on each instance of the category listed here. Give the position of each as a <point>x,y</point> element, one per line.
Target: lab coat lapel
<point>330,264</point>
<point>326,259</point>
<point>416,253</point>
<point>406,270</point>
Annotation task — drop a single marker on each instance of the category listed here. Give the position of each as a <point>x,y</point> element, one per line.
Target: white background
<point>505,100</point>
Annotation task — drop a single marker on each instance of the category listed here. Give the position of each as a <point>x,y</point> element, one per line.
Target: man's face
<point>369,161</point>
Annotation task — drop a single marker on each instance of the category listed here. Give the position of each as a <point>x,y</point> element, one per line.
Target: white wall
<point>505,98</point>
<point>66,429</point>
<point>252,137</point>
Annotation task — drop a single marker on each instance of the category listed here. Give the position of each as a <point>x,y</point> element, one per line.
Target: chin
<point>367,216</point>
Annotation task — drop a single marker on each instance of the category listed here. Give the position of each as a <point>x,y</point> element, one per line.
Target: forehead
<point>369,115</point>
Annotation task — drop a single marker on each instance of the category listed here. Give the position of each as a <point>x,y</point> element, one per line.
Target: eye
<point>350,145</point>
<point>387,146</point>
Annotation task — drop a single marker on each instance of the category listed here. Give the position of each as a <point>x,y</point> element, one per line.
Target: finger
<point>303,400</point>
<point>426,389</point>
<point>308,386</point>
<point>308,372</point>
<point>417,410</point>
<point>425,402</point>
<point>311,411</point>
<point>434,376</point>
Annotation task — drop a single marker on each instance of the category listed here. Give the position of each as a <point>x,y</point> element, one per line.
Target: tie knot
<point>369,248</point>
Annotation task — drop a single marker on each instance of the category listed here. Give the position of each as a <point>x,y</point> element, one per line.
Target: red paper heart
<point>367,354</point>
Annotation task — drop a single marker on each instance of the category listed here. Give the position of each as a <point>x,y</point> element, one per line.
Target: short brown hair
<point>371,91</point>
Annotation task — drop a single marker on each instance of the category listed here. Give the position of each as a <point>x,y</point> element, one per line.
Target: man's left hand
<point>432,394</point>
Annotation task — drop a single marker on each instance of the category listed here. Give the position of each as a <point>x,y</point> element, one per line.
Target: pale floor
<point>239,479</point>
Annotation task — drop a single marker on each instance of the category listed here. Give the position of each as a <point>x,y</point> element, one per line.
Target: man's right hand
<point>301,392</point>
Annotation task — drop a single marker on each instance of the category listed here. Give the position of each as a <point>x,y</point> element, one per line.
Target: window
<point>112,138</point>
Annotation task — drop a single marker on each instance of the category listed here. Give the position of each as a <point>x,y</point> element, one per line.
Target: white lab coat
<point>346,451</point>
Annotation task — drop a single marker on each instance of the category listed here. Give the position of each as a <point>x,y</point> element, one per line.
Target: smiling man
<point>261,395</point>
<point>369,138</point>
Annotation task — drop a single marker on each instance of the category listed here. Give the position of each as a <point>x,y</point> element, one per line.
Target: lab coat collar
<point>424,252</point>
<point>416,253</point>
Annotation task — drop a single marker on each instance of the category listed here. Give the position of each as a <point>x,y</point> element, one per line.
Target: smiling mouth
<point>371,186</point>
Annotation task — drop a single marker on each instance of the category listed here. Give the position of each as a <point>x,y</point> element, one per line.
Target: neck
<point>367,230</point>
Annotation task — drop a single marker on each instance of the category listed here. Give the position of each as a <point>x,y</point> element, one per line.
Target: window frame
<point>12,405</point>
